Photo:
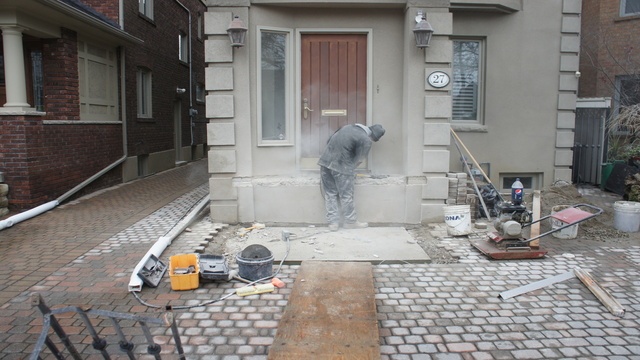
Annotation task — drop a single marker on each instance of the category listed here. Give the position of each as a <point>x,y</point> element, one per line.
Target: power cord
<point>286,237</point>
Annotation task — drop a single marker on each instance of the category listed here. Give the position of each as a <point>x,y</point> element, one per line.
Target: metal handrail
<point>597,210</point>
<point>99,343</point>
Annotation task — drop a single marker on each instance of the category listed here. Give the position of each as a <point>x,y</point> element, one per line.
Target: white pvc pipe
<point>28,214</point>
<point>135,283</point>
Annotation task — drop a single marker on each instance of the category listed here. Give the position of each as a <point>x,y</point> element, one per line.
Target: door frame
<point>298,82</point>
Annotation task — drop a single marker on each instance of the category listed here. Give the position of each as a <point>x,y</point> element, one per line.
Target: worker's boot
<point>333,227</point>
<point>356,225</point>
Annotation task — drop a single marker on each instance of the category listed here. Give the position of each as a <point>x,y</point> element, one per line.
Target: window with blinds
<point>466,79</point>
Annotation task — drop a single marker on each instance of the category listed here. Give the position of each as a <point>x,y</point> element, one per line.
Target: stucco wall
<point>529,98</point>
<point>523,94</point>
<point>397,99</point>
<point>385,27</point>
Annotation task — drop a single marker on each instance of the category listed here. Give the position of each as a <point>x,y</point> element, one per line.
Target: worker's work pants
<point>338,195</point>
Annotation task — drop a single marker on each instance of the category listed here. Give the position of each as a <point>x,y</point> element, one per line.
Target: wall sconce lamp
<point>422,31</point>
<point>237,32</point>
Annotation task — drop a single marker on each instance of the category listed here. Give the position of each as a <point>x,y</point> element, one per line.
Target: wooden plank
<point>331,314</point>
<point>535,228</point>
<point>601,293</point>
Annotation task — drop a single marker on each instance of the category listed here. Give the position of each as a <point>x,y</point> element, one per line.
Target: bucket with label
<point>255,262</point>
<point>570,232</point>
<point>626,216</point>
<point>458,219</point>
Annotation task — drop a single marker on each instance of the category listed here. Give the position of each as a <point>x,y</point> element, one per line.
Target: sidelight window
<point>274,94</point>
<point>467,80</point>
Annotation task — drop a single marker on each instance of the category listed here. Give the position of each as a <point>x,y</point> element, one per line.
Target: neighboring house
<point>309,67</point>
<point>610,54</point>
<point>609,83</point>
<point>96,93</point>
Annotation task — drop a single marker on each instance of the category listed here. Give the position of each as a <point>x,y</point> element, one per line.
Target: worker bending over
<point>345,150</point>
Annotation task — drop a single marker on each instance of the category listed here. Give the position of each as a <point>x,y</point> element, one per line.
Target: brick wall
<point>612,44</point>
<point>43,161</point>
<point>60,64</point>
<point>43,157</point>
<point>109,8</point>
<point>160,55</point>
<point>589,47</point>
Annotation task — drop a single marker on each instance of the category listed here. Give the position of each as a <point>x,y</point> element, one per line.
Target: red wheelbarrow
<point>515,247</point>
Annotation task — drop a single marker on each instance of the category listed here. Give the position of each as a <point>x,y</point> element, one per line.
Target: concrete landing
<point>373,244</point>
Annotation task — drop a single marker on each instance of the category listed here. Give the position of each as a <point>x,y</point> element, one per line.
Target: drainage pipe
<point>135,283</point>
<point>38,210</point>
<point>27,214</point>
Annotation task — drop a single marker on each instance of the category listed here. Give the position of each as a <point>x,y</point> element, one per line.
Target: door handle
<point>305,107</point>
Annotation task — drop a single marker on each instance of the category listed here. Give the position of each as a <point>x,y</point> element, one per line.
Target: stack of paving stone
<point>461,192</point>
<point>457,189</point>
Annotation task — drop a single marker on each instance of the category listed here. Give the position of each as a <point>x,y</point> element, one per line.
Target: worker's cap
<point>376,131</point>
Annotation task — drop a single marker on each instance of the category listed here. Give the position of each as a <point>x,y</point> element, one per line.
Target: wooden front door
<point>334,88</point>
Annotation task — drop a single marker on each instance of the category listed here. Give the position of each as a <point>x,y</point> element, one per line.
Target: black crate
<point>213,267</point>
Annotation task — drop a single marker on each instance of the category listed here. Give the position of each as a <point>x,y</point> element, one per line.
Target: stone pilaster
<point>227,107</point>
<point>568,88</point>
<point>429,122</point>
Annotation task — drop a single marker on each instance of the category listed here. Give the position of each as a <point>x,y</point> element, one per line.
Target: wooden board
<point>331,314</point>
<point>535,228</point>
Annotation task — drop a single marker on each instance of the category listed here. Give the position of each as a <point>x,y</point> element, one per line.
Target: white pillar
<point>14,72</point>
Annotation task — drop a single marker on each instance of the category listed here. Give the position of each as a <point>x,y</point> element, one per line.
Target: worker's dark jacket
<point>346,149</point>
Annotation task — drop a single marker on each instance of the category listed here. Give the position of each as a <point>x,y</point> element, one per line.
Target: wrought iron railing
<point>100,343</point>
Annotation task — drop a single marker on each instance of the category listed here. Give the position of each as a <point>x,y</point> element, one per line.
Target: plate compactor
<point>508,243</point>
<point>512,217</point>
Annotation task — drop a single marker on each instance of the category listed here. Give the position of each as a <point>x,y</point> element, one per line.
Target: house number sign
<point>438,79</point>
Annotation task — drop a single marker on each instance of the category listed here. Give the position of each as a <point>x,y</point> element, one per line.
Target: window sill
<point>461,127</point>
<point>627,18</point>
<point>274,143</point>
<point>145,120</point>
<point>146,18</point>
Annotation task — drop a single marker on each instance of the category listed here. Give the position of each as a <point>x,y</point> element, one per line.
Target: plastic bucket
<point>626,216</point>
<point>255,262</point>
<point>458,219</point>
<point>570,232</point>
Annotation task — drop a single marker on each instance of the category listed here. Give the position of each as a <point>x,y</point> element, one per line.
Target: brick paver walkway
<point>83,254</point>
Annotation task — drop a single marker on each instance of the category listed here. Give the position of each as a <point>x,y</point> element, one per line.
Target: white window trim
<point>201,93</point>
<point>148,85</point>
<point>623,4</point>
<point>183,47</point>
<point>145,7</point>
<point>536,180</point>
<point>110,102</point>
<point>288,140</point>
<point>481,80</point>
